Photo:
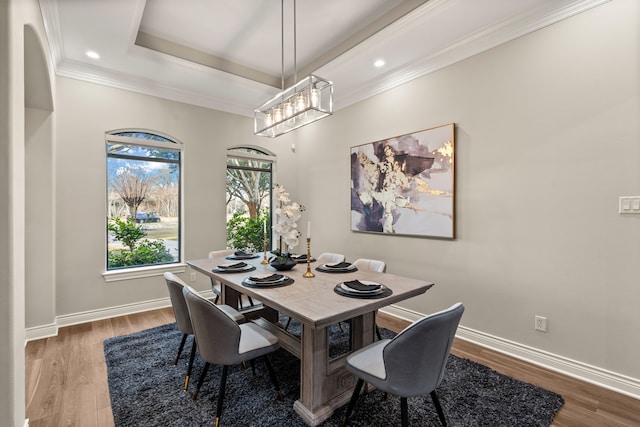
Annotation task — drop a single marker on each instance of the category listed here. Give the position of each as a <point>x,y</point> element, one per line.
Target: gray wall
<point>547,137</point>
<point>85,112</point>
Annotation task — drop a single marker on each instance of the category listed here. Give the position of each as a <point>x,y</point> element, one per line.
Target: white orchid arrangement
<point>287,213</point>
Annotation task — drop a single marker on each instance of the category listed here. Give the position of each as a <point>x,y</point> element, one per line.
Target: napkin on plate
<point>359,286</point>
<point>233,265</point>
<point>338,265</point>
<point>241,253</point>
<point>301,256</point>
<point>266,278</point>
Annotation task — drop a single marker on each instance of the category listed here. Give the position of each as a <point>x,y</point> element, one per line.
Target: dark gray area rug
<point>146,390</point>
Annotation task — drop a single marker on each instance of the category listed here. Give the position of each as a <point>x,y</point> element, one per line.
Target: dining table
<point>316,302</point>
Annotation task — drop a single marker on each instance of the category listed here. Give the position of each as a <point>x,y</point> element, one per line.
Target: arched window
<point>143,199</point>
<point>249,183</point>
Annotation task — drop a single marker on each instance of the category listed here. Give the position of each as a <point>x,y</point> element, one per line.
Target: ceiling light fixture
<point>379,63</point>
<point>308,100</point>
<point>93,55</point>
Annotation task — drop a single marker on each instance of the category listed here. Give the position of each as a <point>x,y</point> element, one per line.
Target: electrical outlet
<point>540,324</point>
<point>193,277</point>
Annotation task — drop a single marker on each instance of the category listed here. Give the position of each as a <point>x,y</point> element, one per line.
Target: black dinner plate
<point>234,270</point>
<point>341,291</point>
<point>239,257</point>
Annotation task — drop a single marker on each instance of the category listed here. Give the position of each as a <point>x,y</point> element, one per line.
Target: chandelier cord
<point>282,40</point>
<point>295,63</point>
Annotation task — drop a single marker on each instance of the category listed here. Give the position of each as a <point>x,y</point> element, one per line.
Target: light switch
<point>629,205</point>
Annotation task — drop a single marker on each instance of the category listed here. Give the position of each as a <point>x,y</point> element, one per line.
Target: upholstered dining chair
<point>183,320</point>
<point>410,364</point>
<point>221,341</point>
<point>371,265</point>
<point>328,257</point>
<point>215,285</point>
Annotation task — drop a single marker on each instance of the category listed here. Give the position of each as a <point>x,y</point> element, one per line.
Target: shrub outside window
<point>143,199</point>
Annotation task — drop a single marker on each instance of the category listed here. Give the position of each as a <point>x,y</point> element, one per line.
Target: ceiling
<point>228,55</point>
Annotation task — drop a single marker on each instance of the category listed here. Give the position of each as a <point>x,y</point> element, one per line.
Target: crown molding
<point>460,50</point>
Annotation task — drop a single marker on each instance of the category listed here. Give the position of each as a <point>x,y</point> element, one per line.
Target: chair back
<point>180,311</point>
<point>416,358</point>
<point>221,253</point>
<point>217,335</point>
<point>328,257</point>
<point>370,265</point>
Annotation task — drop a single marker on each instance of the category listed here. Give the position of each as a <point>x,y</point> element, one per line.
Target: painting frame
<point>405,185</point>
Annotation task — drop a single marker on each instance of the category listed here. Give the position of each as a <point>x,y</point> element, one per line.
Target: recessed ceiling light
<point>93,55</point>
<point>379,63</point>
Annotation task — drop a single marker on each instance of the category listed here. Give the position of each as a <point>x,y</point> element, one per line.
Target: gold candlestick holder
<point>264,249</point>
<point>308,274</point>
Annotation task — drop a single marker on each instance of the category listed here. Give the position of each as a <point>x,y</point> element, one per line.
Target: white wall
<point>547,138</point>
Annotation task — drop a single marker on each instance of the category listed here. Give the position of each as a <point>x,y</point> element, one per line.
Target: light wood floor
<point>66,379</point>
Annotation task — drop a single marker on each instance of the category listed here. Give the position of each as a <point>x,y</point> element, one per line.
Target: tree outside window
<point>249,183</point>
<point>143,176</point>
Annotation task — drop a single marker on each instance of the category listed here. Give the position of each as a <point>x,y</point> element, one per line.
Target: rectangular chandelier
<point>307,101</point>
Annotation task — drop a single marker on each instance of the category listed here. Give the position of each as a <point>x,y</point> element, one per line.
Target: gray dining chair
<point>216,287</point>
<point>365,264</point>
<point>221,341</point>
<point>411,364</point>
<point>183,320</point>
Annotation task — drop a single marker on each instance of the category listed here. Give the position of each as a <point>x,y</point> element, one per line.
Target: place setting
<point>302,258</point>
<point>239,255</point>
<point>337,267</point>
<point>362,289</point>
<point>233,267</point>
<point>268,280</point>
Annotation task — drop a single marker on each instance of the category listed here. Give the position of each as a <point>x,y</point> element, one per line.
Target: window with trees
<point>143,179</point>
<point>249,183</point>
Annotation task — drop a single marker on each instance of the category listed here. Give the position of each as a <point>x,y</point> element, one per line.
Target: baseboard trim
<point>592,374</point>
<point>51,330</point>
<point>107,313</point>
<point>42,331</point>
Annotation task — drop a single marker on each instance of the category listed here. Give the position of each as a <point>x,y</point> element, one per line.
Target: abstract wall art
<point>405,185</point>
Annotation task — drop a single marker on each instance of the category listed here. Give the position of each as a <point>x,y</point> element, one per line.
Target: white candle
<point>309,230</point>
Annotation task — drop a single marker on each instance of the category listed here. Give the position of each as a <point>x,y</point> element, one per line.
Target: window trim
<point>180,266</point>
<point>141,272</point>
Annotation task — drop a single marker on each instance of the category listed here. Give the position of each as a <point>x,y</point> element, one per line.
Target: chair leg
<point>272,374</point>
<point>190,367</point>
<point>436,403</point>
<point>404,412</point>
<point>201,380</point>
<point>378,334</point>
<point>223,383</point>
<point>215,291</point>
<point>250,301</point>
<point>288,323</point>
<point>352,402</point>
<point>184,339</point>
